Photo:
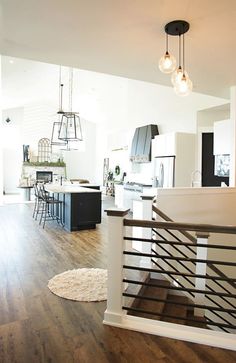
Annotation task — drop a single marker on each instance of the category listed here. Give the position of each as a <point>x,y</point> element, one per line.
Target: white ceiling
<point>125,37</point>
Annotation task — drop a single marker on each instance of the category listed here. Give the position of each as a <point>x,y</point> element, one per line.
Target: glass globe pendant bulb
<point>167,63</point>
<point>177,75</point>
<point>184,87</point>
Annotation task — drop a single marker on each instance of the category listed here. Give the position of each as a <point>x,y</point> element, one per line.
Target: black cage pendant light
<point>70,126</point>
<point>180,79</point>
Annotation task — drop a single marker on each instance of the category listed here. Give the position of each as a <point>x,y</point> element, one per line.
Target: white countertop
<point>72,188</point>
<point>198,191</point>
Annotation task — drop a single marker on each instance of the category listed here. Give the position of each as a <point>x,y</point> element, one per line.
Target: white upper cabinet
<point>164,145</point>
<point>222,137</point>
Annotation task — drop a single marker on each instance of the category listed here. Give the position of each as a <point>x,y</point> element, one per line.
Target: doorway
<point>208,163</point>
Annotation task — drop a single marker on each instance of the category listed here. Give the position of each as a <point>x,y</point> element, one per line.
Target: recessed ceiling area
<point>125,38</point>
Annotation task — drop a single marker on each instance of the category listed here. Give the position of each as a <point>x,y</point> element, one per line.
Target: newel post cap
<point>117,212</point>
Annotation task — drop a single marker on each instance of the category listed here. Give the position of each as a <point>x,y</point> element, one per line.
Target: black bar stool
<point>38,202</point>
<point>52,208</point>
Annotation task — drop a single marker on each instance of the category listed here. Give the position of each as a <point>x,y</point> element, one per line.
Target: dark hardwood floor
<point>37,326</point>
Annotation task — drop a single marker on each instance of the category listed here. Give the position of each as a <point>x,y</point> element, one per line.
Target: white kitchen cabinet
<point>222,137</point>
<point>182,146</point>
<point>164,145</point>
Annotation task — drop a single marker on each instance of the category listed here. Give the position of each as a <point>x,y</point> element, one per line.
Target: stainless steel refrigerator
<point>164,171</point>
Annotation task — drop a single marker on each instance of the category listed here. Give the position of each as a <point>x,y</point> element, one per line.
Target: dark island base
<point>82,211</point>
<point>81,228</point>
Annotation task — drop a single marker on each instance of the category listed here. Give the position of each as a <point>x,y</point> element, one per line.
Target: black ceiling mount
<point>177,27</point>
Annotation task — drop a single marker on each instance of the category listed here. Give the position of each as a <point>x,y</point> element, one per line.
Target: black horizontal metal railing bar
<point>208,322</point>
<point>192,305</point>
<point>189,281</point>
<point>207,286</point>
<point>222,295</point>
<point>176,273</point>
<point>194,241</point>
<point>215,269</point>
<point>173,277</point>
<point>172,266</point>
<point>165,240</point>
<point>178,239</point>
<point>188,259</point>
<point>180,243</point>
<point>170,254</point>
<point>180,226</point>
<point>176,288</point>
<point>211,266</point>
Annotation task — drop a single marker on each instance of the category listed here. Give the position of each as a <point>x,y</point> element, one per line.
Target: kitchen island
<point>81,205</point>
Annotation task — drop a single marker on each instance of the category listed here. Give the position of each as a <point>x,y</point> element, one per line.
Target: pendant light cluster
<point>67,130</point>
<point>167,64</point>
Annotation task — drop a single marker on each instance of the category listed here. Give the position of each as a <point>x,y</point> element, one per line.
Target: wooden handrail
<point>180,226</point>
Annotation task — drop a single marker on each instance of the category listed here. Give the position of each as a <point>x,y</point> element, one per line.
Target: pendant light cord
<point>167,46</point>
<point>70,88</point>
<point>60,91</point>
<point>183,56</point>
<point>180,51</point>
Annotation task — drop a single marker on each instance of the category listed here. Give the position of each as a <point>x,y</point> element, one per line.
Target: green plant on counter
<point>44,163</point>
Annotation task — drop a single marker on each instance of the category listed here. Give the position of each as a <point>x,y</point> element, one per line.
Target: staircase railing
<point>192,275</point>
<point>213,295</point>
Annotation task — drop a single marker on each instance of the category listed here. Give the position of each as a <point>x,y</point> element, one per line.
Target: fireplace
<point>44,176</point>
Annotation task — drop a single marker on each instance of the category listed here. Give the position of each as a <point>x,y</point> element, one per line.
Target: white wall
<point>136,103</point>
<point>113,103</point>
<point>12,148</point>
<point>28,126</point>
<point>1,138</point>
<point>81,163</point>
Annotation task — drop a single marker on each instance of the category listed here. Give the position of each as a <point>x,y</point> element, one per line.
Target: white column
<point>143,210</point>
<point>201,267</point>
<point>1,131</point>
<point>232,177</point>
<point>115,285</point>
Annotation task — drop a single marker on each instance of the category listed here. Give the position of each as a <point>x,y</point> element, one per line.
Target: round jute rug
<point>83,284</point>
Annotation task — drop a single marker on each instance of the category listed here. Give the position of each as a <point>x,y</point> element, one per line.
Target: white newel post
<point>200,283</point>
<point>115,285</point>
<point>143,210</point>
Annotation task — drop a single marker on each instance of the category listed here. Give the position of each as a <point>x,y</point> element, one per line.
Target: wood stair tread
<point>200,320</point>
<point>149,305</point>
<point>175,310</point>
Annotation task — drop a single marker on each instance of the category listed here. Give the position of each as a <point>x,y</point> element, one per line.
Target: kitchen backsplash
<point>141,173</point>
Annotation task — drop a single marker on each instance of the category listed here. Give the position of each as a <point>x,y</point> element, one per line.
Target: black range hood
<point>142,143</point>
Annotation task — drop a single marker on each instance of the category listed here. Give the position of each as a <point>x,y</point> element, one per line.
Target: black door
<point>208,161</point>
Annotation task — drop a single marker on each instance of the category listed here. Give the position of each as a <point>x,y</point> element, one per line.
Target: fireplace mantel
<point>29,171</point>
